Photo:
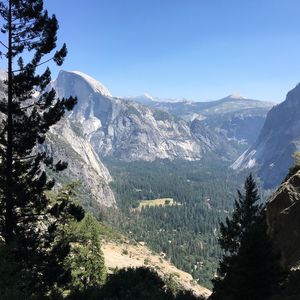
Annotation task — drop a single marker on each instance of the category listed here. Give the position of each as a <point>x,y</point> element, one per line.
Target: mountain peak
<point>293,96</point>
<point>148,96</point>
<point>97,86</point>
<point>236,96</point>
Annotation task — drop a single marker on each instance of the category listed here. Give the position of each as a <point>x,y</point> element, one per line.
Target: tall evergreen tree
<point>86,259</point>
<point>248,269</point>
<point>28,219</point>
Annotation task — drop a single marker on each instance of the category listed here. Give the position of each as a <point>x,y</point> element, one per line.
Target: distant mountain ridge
<point>231,103</point>
<point>128,130</point>
<point>236,118</point>
<point>278,140</point>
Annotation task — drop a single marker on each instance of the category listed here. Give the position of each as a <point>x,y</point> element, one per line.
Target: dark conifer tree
<point>248,269</point>
<point>28,219</point>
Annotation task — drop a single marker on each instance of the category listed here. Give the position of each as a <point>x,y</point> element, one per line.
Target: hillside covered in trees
<point>186,232</point>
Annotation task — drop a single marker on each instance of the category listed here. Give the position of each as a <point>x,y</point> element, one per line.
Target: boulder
<point>283,217</point>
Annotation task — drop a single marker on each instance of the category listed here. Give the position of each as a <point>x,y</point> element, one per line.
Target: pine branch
<point>3,45</point>
<point>26,157</point>
<point>25,40</point>
<point>28,106</point>
<point>37,65</point>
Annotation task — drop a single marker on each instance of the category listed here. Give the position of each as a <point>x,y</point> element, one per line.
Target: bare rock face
<point>124,129</point>
<point>283,216</point>
<point>66,142</point>
<point>235,119</point>
<point>279,139</point>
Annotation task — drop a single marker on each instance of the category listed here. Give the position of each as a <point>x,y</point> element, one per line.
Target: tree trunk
<point>9,150</point>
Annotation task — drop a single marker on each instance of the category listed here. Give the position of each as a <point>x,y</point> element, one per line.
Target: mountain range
<point>238,118</point>
<point>243,132</point>
<point>131,129</point>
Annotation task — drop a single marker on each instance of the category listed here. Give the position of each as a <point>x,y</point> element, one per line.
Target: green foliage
<point>184,181</point>
<point>30,223</point>
<point>12,286</point>
<point>108,232</point>
<point>172,285</point>
<point>125,252</point>
<point>186,232</point>
<point>85,260</point>
<point>50,256</point>
<point>133,284</point>
<point>248,268</point>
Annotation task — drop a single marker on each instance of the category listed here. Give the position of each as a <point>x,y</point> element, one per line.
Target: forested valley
<point>187,232</point>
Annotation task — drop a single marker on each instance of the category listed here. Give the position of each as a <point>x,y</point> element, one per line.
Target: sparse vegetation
<point>125,252</point>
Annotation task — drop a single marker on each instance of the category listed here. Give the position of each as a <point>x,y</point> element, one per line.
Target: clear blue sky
<point>196,49</point>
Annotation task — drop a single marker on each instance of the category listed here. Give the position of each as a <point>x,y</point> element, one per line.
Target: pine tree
<point>28,218</point>
<point>248,269</point>
<point>86,259</point>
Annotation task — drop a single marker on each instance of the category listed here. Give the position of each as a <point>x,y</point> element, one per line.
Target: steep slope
<point>283,210</point>
<point>279,138</point>
<point>128,130</point>
<point>66,143</point>
<point>124,255</point>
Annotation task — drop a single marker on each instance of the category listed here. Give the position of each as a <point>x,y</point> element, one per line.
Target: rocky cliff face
<point>279,139</point>
<point>128,130</point>
<point>125,129</point>
<point>236,118</point>
<point>66,142</point>
<point>283,216</point>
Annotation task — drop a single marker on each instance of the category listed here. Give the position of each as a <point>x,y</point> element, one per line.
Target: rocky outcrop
<point>283,217</point>
<point>279,139</point>
<point>67,143</point>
